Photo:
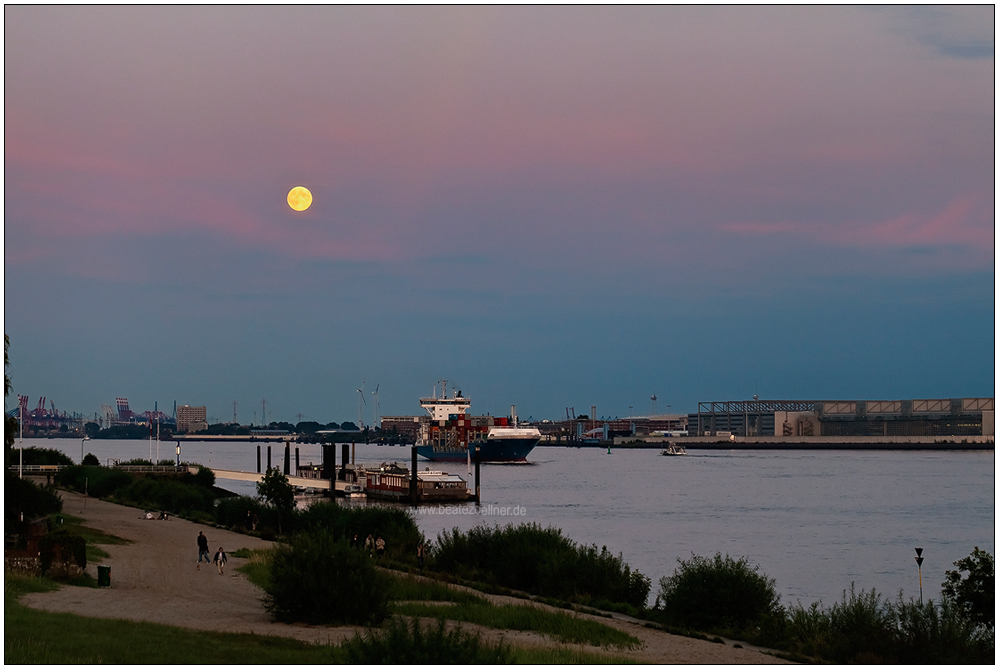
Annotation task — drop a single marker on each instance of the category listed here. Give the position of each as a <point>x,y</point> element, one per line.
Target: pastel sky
<point>549,206</point>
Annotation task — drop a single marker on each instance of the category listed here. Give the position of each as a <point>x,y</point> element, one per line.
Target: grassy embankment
<point>39,637</point>
<point>427,598</point>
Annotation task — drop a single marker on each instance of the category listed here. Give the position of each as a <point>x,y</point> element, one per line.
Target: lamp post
<point>919,564</point>
<point>81,448</point>
<point>178,455</point>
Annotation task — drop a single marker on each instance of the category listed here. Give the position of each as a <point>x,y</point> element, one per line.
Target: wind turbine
<point>377,406</point>
<point>361,403</point>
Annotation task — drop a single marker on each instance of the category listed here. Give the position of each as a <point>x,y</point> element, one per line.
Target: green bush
<point>25,501</point>
<point>807,629</point>
<point>861,628</point>
<point>402,643</point>
<point>318,579</point>
<point>540,561</point>
<point>178,495</point>
<point>97,481</point>
<point>930,634</point>
<point>231,511</point>
<point>393,524</point>
<point>90,460</point>
<point>866,628</point>
<point>205,477</point>
<point>718,594</point>
<point>34,455</point>
<point>73,547</point>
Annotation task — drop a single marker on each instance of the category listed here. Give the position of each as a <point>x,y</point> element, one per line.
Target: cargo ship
<point>448,434</point>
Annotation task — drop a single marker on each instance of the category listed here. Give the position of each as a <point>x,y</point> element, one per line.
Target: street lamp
<point>178,455</point>
<point>919,564</point>
<point>81,448</point>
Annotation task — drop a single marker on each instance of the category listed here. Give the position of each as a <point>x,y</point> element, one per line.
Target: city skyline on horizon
<point>550,206</point>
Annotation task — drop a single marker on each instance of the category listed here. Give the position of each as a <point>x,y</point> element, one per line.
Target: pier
<point>253,477</point>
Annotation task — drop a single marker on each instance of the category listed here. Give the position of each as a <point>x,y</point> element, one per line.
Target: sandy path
<point>154,579</point>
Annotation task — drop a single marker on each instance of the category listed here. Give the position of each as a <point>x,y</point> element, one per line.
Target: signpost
<point>919,564</point>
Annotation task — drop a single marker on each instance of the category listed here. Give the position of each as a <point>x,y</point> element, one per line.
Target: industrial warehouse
<point>858,418</point>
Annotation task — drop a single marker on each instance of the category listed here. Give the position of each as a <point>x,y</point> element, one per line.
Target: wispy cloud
<point>964,221</point>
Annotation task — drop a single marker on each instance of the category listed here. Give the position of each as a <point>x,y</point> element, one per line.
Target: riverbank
<point>952,443</point>
<point>154,579</point>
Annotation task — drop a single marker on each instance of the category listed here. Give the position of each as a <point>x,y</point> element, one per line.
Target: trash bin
<point>103,576</point>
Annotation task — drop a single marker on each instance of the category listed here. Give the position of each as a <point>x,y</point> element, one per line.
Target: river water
<point>813,520</point>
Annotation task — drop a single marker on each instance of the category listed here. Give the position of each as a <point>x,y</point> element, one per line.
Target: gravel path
<point>154,579</point>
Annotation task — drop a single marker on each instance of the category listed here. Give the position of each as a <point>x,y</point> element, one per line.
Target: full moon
<point>299,198</point>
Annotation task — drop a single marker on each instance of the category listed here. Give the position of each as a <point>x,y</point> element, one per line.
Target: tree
<point>974,595</point>
<point>276,489</point>
<point>10,423</point>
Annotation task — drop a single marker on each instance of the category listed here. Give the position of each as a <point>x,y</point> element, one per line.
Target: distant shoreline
<point>951,443</point>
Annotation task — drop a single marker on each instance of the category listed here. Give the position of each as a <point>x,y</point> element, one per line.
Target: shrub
<point>930,634</point>
<point>720,593</point>
<point>34,455</point>
<point>541,561</point>
<point>402,643</point>
<point>178,495</point>
<point>318,579</point>
<point>807,629</point>
<point>90,460</point>
<point>861,628</point>
<point>205,477</point>
<point>72,546</point>
<point>97,481</point>
<point>231,511</point>
<point>393,524</point>
<point>24,501</point>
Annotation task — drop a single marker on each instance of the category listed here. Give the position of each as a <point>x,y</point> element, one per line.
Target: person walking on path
<point>421,553</point>
<point>220,559</point>
<point>202,549</point>
<point>369,544</point>
<point>380,547</point>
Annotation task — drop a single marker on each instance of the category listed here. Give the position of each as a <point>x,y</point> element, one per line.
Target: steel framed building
<point>837,418</point>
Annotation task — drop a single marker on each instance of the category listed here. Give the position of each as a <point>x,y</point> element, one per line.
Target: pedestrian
<point>369,544</point>
<point>355,542</point>
<point>202,549</point>
<point>255,522</point>
<point>220,559</point>
<point>420,554</point>
<point>249,520</point>
<point>380,547</point>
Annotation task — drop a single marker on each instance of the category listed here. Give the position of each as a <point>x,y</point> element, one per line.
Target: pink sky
<point>721,138</point>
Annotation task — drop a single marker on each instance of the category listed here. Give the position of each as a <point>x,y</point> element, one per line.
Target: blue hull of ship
<point>501,450</point>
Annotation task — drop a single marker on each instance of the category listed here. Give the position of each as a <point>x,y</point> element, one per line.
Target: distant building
<point>192,419</point>
<point>407,427</point>
<point>855,418</point>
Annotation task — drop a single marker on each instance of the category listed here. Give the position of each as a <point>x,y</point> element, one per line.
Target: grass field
<point>556,625</point>
<point>39,637</point>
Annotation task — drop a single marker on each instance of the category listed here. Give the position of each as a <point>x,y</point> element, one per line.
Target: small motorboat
<point>673,448</point>
<point>353,490</point>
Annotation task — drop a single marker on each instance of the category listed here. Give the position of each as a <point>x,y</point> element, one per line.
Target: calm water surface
<point>814,521</point>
